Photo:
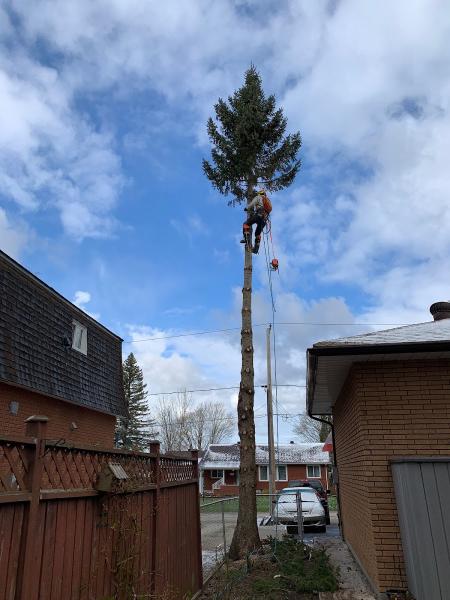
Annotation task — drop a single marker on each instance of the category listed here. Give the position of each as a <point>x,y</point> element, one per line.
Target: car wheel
<point>328,520</point>
<point>322,529</point>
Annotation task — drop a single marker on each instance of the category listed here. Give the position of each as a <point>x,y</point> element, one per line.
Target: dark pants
<point>255,219</point>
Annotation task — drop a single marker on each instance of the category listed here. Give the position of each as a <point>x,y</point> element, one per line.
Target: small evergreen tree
<point>136,430</point>
<point>249,148</point>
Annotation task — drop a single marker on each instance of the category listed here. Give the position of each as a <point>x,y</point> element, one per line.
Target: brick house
<point>389,394</point>
<point>219,467</point>
<point>55,360</point>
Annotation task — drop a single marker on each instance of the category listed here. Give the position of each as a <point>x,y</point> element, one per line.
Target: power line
<point>231,387</point>
<point>281,323</point>
<point>230,419</point>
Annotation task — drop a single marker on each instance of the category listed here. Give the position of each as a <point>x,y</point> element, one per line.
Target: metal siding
<point>422,490</point>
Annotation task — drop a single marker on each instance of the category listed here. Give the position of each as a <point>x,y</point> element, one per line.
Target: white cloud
<point>13,238</point>
<point>81,298</point>
<point>214,360</point>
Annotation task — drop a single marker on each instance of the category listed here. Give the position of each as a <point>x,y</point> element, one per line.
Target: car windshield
<point>306,494</point>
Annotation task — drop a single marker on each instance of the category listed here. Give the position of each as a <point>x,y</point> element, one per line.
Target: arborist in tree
<point>258,210</point>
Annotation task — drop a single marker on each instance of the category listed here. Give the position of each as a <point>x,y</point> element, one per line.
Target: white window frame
<point>277,478</point>
<point>79,337</point>
<point>313,476</point>
<point>216,471</point>
<point>266,467</point>
<point>278,473</point>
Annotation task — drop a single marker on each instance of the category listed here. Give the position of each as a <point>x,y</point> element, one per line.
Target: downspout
<point>313,379</point>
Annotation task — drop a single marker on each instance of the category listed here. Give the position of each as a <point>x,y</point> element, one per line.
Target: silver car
<point>312,510</point>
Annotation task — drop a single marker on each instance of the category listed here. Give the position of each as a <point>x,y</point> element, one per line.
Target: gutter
<point>310,384</point>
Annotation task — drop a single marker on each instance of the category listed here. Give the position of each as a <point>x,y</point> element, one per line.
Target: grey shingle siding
<point>34,320</point>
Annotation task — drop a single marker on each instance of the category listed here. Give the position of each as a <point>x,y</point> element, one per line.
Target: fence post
<point>155,449</point>
<point>194,455</point>
<point>299,516</point>
<point>36,427</point>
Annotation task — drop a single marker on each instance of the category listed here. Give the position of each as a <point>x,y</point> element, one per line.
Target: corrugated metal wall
<point>422,490</point>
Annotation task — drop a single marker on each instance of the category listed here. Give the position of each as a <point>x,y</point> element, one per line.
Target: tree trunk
<point>246,535</point>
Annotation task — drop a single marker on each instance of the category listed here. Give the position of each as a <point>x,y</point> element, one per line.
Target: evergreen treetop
<point>249,147</point>
<point>135,431</point>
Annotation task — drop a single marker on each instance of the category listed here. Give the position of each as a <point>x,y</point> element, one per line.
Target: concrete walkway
<point>353,583</point>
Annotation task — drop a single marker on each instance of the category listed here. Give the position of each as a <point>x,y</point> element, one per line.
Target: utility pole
<point>272,488</point>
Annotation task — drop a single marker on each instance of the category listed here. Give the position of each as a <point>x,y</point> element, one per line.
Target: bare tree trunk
<point>246,535</point>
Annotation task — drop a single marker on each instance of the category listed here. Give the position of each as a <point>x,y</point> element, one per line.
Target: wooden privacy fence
<point>60,539</point>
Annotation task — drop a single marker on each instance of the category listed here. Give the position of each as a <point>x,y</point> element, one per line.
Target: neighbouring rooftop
<point>227,456</point>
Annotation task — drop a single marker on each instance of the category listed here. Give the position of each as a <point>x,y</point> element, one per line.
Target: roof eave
<point>316,351</point>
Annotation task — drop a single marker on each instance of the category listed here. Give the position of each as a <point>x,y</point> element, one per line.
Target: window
<point>264,473</point>
<point>79,337</point>
<point>281,473</point>
<point>313,471</point>
<point>216,473</point>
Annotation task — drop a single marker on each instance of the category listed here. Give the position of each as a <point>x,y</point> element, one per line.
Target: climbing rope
<point>269,275</point>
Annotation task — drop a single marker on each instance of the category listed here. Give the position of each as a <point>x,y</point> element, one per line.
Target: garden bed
<point>282,570</point>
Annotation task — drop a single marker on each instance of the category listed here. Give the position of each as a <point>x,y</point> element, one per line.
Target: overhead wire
<point>280,323</point>
<point>230,387</point>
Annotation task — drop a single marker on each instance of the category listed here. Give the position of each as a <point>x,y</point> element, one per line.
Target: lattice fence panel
<point>173,469</point>
<point>75,468</point>
<point>13,467</point>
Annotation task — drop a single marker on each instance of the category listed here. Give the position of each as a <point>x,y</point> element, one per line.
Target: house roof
<point>423,333</point>
<point>329,361</point>
<point>55,294</point>
<point>227,456</point>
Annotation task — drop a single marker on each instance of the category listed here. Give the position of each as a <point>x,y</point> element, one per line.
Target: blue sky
<point>103,108</point>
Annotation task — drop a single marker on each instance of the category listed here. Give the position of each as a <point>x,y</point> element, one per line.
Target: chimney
<point>440,310</point>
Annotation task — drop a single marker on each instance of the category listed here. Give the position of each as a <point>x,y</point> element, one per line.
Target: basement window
<point>79,337</point>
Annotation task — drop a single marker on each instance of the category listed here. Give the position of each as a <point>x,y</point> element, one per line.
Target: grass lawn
<point>262,504</point>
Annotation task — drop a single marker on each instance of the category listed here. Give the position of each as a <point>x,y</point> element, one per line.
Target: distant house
<point>219,467</point>
<point>389,394</point>
<point>56,361</point>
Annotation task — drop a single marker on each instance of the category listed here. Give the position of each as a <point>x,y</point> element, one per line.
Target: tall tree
<point>311,430</point>
<point>249,148</point>
<point>135,431</point>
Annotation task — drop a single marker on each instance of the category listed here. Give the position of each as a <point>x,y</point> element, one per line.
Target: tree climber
<point>258,210</point>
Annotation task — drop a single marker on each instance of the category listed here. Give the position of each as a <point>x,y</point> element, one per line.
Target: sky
<point>103,107</point>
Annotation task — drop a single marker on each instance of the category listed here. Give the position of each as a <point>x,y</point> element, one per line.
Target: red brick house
<point>219,467</point>
<point>57,361</point>
<point>389,394</point>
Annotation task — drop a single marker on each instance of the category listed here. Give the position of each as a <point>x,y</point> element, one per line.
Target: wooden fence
<point>60,539</point>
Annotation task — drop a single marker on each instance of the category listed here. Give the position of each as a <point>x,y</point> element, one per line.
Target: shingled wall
<point>35,345</point>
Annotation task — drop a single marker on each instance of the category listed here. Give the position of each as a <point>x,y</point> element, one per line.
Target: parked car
<point>317,485</point>
<point>313,512</point>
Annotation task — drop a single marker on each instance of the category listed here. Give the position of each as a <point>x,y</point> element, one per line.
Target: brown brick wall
<point>293,472</point>
<point>399,409</point>
<point>93,428</point>
<point>353,457</point>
